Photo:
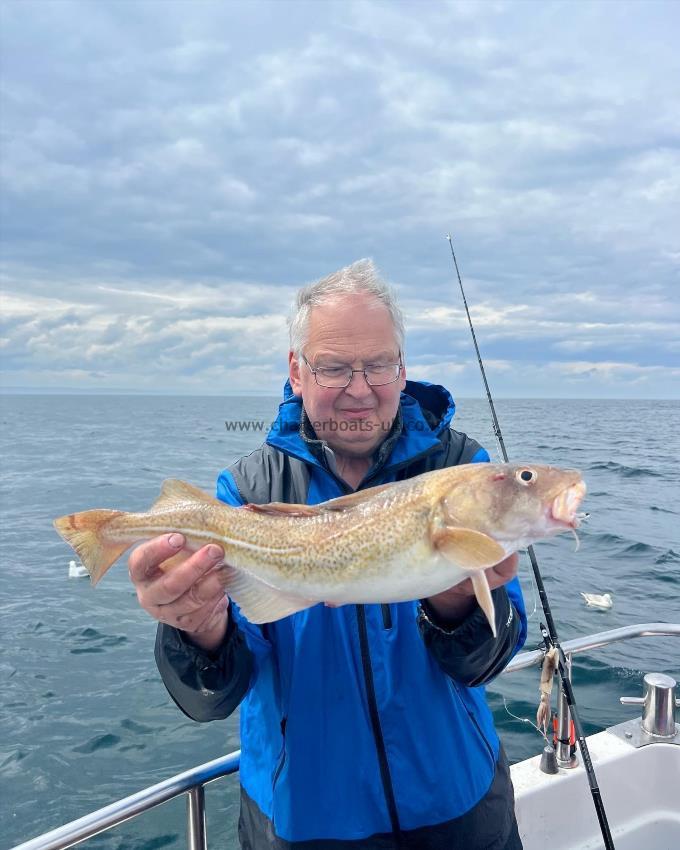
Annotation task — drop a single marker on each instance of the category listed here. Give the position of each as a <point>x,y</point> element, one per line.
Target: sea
<point>84,717</point>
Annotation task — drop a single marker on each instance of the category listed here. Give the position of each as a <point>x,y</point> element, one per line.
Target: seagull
<point>76,570</point>
<point>598,600</point>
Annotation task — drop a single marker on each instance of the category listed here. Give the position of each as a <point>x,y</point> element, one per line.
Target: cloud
<point>169,180</point>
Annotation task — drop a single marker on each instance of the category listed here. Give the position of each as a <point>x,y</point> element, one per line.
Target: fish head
<point>516,504</point>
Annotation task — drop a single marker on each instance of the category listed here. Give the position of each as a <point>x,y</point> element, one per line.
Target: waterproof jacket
<point>365,725</point>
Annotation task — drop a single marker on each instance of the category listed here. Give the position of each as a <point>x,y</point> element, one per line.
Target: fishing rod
<point>549,634</point>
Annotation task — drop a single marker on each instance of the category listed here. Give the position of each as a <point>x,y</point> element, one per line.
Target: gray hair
<point>361,277</point>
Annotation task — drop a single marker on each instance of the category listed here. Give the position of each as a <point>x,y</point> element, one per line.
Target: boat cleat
<point>657,724</point>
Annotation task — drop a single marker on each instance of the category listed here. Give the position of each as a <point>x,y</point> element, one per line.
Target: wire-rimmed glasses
<point>338,377</point>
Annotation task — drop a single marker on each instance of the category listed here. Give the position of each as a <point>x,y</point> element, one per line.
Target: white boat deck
<point>640,790</point>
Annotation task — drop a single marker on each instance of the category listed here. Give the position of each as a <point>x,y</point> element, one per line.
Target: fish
<point>598,600</point>
<point>395,542</point>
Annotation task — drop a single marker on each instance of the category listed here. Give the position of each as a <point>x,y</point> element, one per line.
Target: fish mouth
<point>565,505</point>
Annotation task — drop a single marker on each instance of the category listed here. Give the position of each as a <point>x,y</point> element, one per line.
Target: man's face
<point>356,331</point>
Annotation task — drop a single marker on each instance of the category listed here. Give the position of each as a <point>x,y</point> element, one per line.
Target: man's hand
<point>455,604</point>
<point>190,595</point>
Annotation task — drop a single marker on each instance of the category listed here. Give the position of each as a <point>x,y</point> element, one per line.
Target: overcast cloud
<point>173,171</point>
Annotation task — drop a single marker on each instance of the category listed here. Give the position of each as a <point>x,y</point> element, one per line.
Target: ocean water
<point>84,718</point>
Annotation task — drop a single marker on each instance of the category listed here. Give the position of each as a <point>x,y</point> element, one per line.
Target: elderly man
<point>361,726</point>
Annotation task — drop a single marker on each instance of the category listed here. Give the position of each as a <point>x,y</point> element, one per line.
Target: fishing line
<point>549,634</point>
<point>525,720</point>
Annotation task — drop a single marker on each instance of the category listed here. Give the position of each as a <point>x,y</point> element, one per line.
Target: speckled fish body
<point>391,543</point>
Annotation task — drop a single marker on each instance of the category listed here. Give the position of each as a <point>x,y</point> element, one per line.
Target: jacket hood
<point>427,410</point>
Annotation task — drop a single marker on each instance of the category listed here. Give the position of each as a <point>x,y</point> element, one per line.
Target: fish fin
<point>482,590</point>
<point>351,500</point>
<point>472,551</point>
<point>260,602</point>
<point>342,503</point>
<point>283,510</point>
<point>469,549</point>
<point>85,532</point>
<point>175,492</point>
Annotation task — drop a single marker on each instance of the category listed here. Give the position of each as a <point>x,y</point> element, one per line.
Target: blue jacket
<point>362,721</point>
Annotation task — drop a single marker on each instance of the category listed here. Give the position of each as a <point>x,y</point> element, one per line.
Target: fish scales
<point>346,544</point>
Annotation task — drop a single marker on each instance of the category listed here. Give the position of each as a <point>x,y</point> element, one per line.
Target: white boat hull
<point>640,790</point>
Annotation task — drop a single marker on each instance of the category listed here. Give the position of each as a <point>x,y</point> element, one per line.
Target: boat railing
<point>563,748</point>
<point>192,782</point>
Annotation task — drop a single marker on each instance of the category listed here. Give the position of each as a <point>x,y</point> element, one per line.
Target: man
<point>362,726</point>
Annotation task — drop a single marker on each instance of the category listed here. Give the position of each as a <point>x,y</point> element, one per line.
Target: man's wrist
<point>449,611</point>
<point>209,640</point>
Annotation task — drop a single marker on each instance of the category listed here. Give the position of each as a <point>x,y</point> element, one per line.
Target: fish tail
<point>86,533</point>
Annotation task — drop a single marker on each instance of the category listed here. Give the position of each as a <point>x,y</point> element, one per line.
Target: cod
<point>396,542</point>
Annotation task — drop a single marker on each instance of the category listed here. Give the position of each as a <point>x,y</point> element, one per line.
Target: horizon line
<point>74,392</point>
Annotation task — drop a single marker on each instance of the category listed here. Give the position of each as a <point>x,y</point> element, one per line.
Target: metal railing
<point>596,641</point>
<point>563,749</point>
<point>192,782</point>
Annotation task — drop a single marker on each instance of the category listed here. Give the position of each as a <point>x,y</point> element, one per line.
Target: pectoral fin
<point>473,551</point>
<point>260,602</point>
<point>484,598</point>
<point>469,549</point>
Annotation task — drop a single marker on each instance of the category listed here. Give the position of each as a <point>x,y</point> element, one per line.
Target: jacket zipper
<point>492,758</point>
<point>282,757</point>
<point>397,467</point>
<point>385,776</point>
<point>386,616</point>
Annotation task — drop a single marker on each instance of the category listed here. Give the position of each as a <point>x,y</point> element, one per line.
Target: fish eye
<point>526,476</point>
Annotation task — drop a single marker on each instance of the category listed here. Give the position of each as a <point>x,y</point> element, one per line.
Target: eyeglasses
<point>335,377</point>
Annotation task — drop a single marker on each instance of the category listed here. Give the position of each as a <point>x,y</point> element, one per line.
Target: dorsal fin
<point>351,500</point>
<point>283,510</point>
<point>175,492</point>
<point>341,503</point>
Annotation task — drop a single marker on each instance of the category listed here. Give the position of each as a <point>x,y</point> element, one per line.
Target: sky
<point>172,172</point>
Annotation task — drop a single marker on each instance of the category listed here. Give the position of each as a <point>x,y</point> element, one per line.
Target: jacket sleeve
<point>469,653</point>
<point>207,685</point>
